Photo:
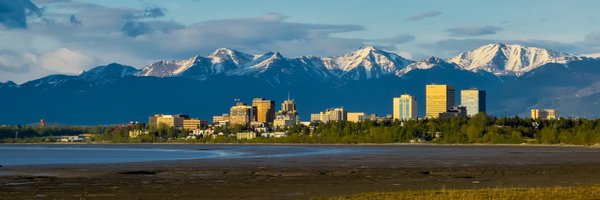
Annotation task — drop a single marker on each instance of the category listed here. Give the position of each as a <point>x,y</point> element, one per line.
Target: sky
<point>43,37</point>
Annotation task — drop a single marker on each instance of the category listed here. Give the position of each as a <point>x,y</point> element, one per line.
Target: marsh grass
<point>545,193</point>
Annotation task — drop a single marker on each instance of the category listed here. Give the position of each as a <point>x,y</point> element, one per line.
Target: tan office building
<point>473,100</point>
<point>332,114</point>
<point>405,107</point>
<point>241,114</point>
<point>288,106</point>
<point>220,118</point>
<point>193,124</point>
<point>438,99</point>
<point>167,120</point>
<point>265,110</point>
<point>287,116</point>
<point>544,113</point>
<point>355,116</point>
<point>245,135</point>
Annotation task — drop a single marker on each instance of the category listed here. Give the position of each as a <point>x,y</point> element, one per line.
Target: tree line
<point>460,130</point>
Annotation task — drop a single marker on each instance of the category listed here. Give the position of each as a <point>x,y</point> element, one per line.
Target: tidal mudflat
<point>285,171</point>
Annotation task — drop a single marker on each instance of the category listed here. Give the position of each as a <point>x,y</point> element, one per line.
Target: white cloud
<point>473,30</point>
<point>16,63</point>
<point>405,54</point>
<point>64,60</point>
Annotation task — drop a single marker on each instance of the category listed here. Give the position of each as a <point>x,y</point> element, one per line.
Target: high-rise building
<point>288,115</point>
<point>241,114</point>
<point>544,113</point>
<point>265,110</point>
<point>405,107</point>
<point>474,100</point>
<point>438,99</point>
<point>288,106</point>
<point>332,114</point>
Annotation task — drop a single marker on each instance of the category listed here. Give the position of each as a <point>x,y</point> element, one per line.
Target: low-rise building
<point>192,124</point>
<point>245,135</point>
<point>355,116</point>
<point>274,135</point>
<point>332,114</point>
<point>70,138</point>
<point>167,120</point>
<point>284,122</point>
<point>455,111</point>
<point>221,118</point>
<point>544,113</point>
<point>137,133</point>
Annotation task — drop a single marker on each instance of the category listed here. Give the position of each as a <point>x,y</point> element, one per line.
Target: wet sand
<point>364,169</point>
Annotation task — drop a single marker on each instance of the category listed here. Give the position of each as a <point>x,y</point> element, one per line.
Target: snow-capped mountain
<point>167,68</point>
<point>366,63</point>
<point>427,64</point>
<point>111,71</point>
<point>592,55</point>
<point>507,59</point>
<point>365,79</point>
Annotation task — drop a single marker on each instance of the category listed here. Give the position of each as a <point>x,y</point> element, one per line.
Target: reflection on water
<point>11,155</point>
<point>411,155</point>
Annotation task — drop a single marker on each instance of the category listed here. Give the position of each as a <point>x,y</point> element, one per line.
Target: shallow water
<point>41,154</point>
<point>44,154</point>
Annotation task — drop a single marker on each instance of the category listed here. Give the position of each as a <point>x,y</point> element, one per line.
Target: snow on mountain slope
<point>366,63</point>
<point>507,59</point>
<point>167,68</point>
<point>110,71</point>
<point>222,55</point>
<point>592,55</point>
<point>258,64</point>
<point>425,64</point>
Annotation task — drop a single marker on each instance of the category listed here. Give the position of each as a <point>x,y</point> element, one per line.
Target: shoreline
<point>311,144</point>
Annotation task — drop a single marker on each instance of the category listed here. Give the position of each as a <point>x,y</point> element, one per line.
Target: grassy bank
<point>549,193</point>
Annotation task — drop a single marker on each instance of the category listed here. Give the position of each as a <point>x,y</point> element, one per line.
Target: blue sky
<point>42,37</point>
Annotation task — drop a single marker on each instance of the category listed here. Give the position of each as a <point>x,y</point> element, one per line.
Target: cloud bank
<point>473,31</point>
<point>424,15</point>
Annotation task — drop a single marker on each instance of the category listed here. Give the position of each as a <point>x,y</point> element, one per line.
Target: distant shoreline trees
<point>480,128</point>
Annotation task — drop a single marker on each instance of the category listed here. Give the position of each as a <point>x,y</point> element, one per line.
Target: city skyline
<point>440,102</point>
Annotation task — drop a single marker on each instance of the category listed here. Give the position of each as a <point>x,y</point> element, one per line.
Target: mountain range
<point>516,77</point>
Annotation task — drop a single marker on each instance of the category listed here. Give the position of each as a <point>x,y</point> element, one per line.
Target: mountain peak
<point>277,55</point>
<point>507,59</point>
<point>368,50</point>
<point>224,54</point>
<point>8,84</point>
<point>433,59</point>
<point>367,62</point>
<point>222,51</point>
<point>110,71</point>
